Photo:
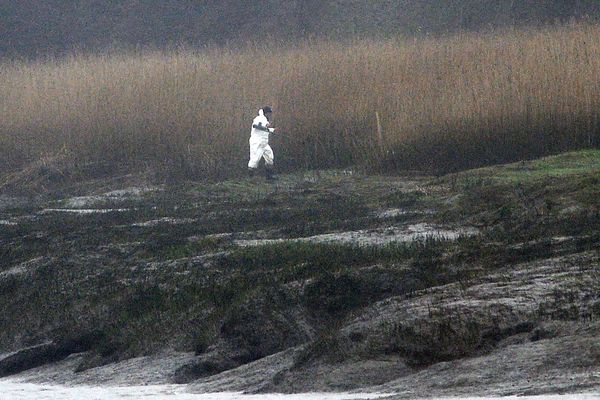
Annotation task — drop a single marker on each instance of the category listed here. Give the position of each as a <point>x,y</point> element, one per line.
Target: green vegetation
<point>575,164</point>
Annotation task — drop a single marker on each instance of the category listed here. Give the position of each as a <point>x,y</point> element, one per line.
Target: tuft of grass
<point>336,295</point>
<point>169,248</point>
<point>327,345</point>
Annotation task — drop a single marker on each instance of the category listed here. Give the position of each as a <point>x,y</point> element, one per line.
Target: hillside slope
<point>482,282</point>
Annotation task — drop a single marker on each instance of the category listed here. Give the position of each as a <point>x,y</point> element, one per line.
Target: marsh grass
<point>444,104</point>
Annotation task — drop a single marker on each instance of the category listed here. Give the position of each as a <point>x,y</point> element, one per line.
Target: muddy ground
<point>484,282</point>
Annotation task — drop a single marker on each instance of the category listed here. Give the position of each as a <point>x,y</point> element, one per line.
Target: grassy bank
<point>172,269</point>
<point>444,104</point>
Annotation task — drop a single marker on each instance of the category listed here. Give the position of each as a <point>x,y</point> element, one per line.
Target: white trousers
<point>259,148</point>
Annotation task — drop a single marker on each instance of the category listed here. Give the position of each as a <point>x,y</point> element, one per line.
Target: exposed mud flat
<point>83,210</point>
<point>25,391</point>
<point>376,237</point>
<point>398,212</point>
<point>20,391</point>
<point>166,221</point>
<point>113,196</point>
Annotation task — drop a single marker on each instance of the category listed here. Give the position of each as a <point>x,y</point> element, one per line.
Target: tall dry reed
<point>443,104</point>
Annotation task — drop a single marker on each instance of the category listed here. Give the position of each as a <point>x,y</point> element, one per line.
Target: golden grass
<point>445,104</point>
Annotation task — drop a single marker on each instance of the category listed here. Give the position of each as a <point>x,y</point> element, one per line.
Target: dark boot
<point>270,174</point>
<point>251,172</point>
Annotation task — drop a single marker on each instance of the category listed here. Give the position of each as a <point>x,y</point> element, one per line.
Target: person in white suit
<point>259,143</point>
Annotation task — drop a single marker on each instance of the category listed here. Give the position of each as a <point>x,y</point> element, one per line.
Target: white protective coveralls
<point>259,141</point>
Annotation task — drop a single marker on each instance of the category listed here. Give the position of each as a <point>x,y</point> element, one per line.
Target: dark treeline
<point>30,28</point>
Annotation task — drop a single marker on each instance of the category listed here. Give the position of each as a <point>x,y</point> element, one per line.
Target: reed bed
<point>443,104</point>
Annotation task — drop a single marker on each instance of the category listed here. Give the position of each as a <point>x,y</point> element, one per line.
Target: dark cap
<point>267,109</point>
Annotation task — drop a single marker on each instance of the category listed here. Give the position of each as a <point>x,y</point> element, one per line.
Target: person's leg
<point>256,153</point>
<point>269,163</point>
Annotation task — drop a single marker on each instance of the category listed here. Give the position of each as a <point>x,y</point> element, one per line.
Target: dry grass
<point>444,104</point>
